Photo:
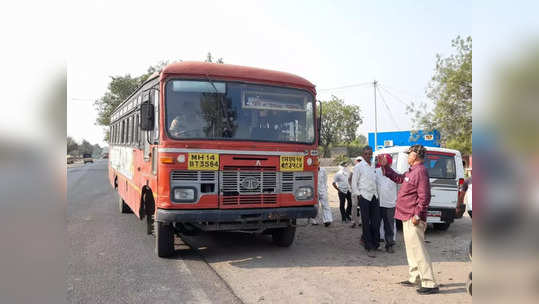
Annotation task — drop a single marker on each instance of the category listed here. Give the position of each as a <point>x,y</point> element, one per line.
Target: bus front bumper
<point>235,215</point>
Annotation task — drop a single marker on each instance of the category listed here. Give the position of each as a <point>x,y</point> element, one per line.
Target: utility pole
<point>375,118</point>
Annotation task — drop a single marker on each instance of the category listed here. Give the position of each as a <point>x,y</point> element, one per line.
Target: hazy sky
<point>330,43</point>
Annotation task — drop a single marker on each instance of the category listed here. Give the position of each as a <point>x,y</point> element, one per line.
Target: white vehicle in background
<point>446,174</point>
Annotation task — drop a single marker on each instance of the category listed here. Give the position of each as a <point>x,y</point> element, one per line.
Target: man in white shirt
<point>324,211</point>
<point>340,183</point>
<point>364,187</point>
<point>387,191</point>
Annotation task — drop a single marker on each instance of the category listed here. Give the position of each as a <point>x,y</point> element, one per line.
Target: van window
<point>440,166</point>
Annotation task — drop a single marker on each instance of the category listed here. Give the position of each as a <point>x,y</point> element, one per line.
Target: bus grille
<point>194,176</point>
<point>250,199</point>
<point>248,182</point>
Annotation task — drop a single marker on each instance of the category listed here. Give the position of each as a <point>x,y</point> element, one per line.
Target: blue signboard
<point>405,138</point>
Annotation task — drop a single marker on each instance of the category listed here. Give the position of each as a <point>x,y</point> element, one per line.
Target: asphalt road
<point>112,260</point>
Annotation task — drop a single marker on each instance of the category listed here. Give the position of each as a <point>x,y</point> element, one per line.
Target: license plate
<point>291,163</point>
<point>203,161</point>
<point>434,213</point>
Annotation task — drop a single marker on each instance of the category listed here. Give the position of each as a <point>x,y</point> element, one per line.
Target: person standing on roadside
<point>354,210</point>
<point>324,211</point>
<point>413,200</point>
<point>364,187</point>
<point>387,191</point>
<point>340,183</point>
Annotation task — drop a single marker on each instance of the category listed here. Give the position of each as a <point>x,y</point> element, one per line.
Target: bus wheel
<point>164,240</point>
<point>284,237</point>
<point>441,226</point>
<point>122,206</point>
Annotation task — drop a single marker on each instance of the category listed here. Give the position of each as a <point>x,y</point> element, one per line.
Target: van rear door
<point>443,179</point>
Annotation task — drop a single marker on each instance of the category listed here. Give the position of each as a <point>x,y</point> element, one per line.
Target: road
<point>111,259</point>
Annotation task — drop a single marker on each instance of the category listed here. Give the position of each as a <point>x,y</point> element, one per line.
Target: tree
<point>451,91</point>
<point>209,58</point>
<point>86,147</point>
<point>96,150</point>
<point>72,145</point>
<point>339,123</point>
<point>120,87</point>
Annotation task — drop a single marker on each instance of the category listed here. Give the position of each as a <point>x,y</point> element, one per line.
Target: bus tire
<point>441,226</point>
<point>122,206</point>
<point>283,237</point>
<point>164,240</point>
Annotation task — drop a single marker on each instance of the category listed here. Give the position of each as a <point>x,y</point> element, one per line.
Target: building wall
<point>405,138</point>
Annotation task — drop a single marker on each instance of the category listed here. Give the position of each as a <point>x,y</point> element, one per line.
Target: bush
<point>339,159</point>
<point>353,150</point>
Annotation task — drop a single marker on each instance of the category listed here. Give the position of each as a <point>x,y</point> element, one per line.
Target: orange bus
<point>212,147</point>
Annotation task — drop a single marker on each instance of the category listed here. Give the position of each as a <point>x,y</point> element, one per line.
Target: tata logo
<point>250,183</point>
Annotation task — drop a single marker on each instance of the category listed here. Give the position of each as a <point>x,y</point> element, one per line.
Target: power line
<point>348,86</point>
<point>394,96</point>
<point>389,110</point>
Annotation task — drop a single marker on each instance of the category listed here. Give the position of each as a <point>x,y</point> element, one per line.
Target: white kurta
<point>324,211</point>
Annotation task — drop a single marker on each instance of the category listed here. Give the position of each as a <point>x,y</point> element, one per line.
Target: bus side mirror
<point>146,117</point>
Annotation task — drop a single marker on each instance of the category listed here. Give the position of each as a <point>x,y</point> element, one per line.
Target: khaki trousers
<point>419,263</point>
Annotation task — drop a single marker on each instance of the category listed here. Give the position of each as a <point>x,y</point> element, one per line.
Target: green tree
<point>339,123</point>
<point>86,147</point>
<point>96,150</point>
<point>120,87</point>
<point>72,145</point>
<point>209,58</point>
<point>451,91</point>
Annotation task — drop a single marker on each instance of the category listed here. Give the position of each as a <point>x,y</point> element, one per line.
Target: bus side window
<point>122,132</point>
<point>156,116</point>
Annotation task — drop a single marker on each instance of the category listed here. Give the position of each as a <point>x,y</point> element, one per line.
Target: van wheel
<point>284,237</point>
<point>441,226</point>
<point>122,206</point>
<point>164,240</point>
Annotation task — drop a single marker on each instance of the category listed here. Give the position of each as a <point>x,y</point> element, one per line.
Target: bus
<point>216,147</point>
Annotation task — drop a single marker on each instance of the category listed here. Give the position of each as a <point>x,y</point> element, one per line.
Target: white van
<point>446,174</point>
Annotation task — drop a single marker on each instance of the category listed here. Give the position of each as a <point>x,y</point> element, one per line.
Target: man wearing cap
<point>413,200</point>
<point>340,183</point>
<point>364,187</point>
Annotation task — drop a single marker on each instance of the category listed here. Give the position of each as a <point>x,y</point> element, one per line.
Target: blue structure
<point>405,138</point>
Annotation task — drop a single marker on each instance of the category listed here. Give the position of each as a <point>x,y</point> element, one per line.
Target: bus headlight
<point>184,194</point>
<point>304,193</point>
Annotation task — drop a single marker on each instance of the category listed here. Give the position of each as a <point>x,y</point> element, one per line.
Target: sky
<point>330,43</point>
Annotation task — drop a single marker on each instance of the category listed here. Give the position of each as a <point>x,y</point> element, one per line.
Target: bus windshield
<point>237,111</point>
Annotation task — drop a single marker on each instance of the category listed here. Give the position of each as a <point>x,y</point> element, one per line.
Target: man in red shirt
<point>413,200</point>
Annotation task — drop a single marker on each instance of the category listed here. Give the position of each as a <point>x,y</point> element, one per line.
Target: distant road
<point>112,260</point>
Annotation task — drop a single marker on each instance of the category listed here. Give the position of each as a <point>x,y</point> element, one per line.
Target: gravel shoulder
<point>327,265</point>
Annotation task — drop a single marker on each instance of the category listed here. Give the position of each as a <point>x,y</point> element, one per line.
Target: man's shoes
<point>353,225</point>
<point>370,253</point>
<point>327,224</point>
<point>408,284</point>
<point>390,249</point>
<point>427,290</point>
<point>314,223</point>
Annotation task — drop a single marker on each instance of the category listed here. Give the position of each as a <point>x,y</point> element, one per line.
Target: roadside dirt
<point>327,265</point>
